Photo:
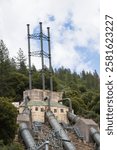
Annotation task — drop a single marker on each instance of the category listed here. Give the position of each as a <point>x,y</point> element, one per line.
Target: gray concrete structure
<point>84,126</point>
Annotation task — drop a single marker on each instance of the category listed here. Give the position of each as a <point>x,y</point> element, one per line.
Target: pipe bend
<point>70,103</point>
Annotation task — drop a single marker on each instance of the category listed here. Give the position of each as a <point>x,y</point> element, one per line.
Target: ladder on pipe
<point>78,133</point>
<point>67,127</point>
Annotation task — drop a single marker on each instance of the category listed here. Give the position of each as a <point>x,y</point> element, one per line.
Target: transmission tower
<point>41,53</point>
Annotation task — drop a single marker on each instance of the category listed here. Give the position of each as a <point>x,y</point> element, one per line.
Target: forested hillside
<point>83,88</point>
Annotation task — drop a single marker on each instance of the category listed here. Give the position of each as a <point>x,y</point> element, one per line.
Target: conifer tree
<point>21,62</point>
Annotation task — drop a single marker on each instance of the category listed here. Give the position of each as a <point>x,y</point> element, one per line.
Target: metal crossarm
<point>36,53</point>
<point>41,37</point>
<point>45,37</point>
<point>35,36</point>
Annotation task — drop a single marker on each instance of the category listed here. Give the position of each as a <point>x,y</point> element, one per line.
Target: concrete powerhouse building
<point>38,105</point>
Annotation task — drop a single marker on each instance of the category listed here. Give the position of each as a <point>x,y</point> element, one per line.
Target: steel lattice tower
<point>41,37</point>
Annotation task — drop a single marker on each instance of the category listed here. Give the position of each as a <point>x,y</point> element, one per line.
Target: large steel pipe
<point>72,117</point>
<point>95,135</point>
<point>27,137</point>
<point>58,128</point>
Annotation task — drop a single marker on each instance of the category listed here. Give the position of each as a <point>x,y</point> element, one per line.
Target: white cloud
<point>65,55</point>
<point>84,15</point>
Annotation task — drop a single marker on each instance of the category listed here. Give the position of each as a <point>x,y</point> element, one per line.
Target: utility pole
<point>29,57</point>
<point>42,59</point>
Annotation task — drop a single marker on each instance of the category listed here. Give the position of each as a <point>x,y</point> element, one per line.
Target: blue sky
<point>94,57</point>
<point>74,28</point>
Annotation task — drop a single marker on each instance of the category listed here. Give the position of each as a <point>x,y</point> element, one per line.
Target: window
<point>62,110</point>
<point>36,108</point>
<point>42,109</point>
<point>55,110</point>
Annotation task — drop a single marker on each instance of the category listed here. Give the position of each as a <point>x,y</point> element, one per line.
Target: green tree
<point>18,83</point>
<point>21,62</point>
<point>4,53</point>
<point>8,116</point>
<point>4,68</point>
<point>13,65</point>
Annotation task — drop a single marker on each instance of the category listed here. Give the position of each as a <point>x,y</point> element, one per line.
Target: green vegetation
<point>12,146</point>
<point>83,88</point>
<point>8,116</point>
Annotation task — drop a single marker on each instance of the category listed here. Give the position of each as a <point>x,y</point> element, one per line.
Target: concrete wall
<point>37,94</point>
<point>38,113</point>
<point>84,125</point>
<point>24,118</point>
<point>60,115</point>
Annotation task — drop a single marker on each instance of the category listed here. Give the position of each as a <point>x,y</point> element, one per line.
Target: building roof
<point>45,103</point>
